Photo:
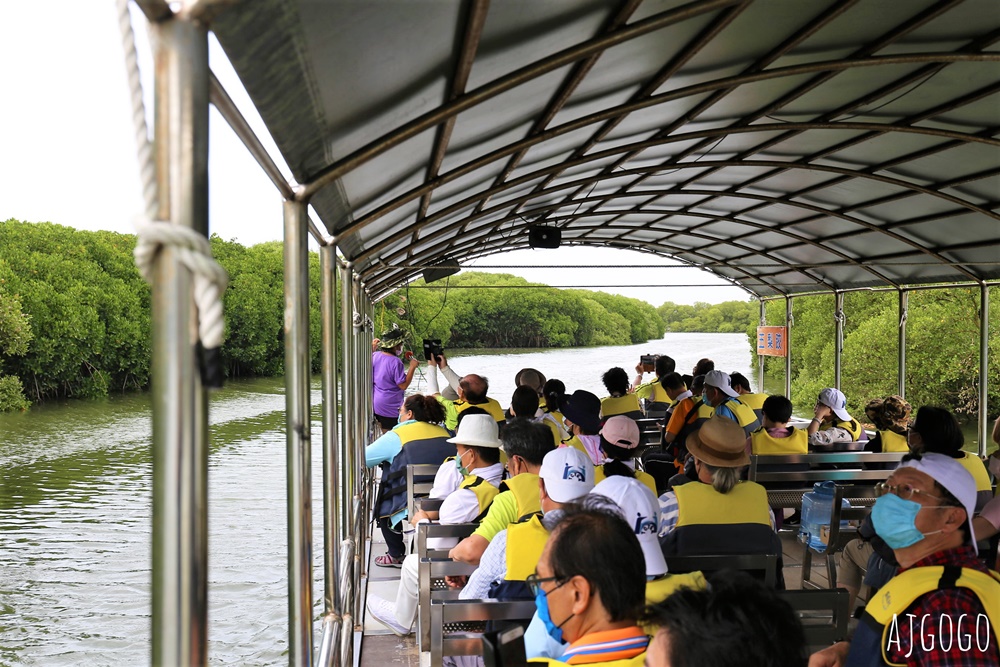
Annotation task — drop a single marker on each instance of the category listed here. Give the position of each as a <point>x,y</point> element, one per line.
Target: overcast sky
<point>67,153</point>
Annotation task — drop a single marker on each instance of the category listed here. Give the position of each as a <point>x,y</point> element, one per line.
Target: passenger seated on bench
<point>718,514</point>
<point>891,418</point>
<point>754,401</point>
<point>640,509</point>
<point>653,392</point>
<point>446,396</point>
<point>832,423</point>
<point>987,524</point>
<point>472,391</point>
<point>738,622</point>
<point>418,438</point>
<point>524,404</point>
<point>776,436</point>
<point>526,443</point>
<point>925,516</point>
<point>554,394</point>
<point>478,459</point>
<point>703,367</point>
<point>582,417</point>
<point>719,393</point>
<point>936,430</point>
<point>683,402</point>
<point>619,442</point>
<point>589,588</point>
<point>620,402</point>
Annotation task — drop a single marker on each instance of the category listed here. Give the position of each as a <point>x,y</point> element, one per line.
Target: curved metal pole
<point>297,435</point>
<point>331,475</point>
<point>838,345</point>
<point>904,310</point>
<point>789,322</point>
<point>984,358</point>
<point>180,407</point>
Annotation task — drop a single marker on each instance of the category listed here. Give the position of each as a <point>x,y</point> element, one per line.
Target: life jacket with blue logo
<point>490,406</point>
<point>745,416</point>
<point>627,405</point>
<point>876,628</point>
<point>525,542</point>
<point>796,442</point>
<point>755,402</point>
<point>709,522</point>
<point>422,442</point>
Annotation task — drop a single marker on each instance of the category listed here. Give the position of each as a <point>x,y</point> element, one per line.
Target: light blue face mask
<point>542,607</point>
<point>458,464</point>
<point>704,398</point>
<point>895,521</point>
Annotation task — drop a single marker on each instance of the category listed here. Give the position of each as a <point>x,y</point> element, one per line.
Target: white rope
<point>193,250</point>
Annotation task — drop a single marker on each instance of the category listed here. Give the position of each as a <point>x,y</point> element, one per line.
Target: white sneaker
<point>384,612</point>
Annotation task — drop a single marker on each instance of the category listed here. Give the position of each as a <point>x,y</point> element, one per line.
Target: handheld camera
<point>648,362</point>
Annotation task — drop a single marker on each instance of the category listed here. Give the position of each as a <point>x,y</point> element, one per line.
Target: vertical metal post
<point>904,309</point>
<point>838,349</point>
<point>984,357</point>
<point>348,380</point>
<point>760,357</point>
<point>180,408</point>
<point>789,321</point>
<point>331,475</point>
<point>297,435</point>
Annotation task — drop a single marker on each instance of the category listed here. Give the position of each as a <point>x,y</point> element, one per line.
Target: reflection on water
<point>75,511</point>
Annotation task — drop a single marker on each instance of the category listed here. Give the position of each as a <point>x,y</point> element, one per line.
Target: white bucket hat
<point>568,474</point>
<point>477,431</point>
<point>721,381</point>
<point>641,511</point>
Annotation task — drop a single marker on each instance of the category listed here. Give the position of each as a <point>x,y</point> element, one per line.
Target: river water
<point>75,508</point>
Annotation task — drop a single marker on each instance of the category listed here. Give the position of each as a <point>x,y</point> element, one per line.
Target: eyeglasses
<point>904,491</point>
<point>535,582</point>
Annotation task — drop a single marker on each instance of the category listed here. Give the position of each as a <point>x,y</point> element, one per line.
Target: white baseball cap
<point>641,511</point>
<point>953,477</point>
<point>836,401</point>
<point>477,431</point>
<point>721,381</point>
<point>568,474</point>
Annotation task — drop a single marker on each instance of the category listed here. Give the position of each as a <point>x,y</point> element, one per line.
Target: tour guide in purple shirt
<point>388,377</point>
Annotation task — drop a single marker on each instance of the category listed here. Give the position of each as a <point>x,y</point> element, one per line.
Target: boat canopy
<point>786,146</point>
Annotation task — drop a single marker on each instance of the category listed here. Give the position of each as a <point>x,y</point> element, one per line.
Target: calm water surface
<point>75,510</point>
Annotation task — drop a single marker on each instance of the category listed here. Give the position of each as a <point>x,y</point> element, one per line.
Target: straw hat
<point>720,442</point>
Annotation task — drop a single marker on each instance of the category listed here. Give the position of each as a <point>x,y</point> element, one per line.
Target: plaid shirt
<point>953,603</point>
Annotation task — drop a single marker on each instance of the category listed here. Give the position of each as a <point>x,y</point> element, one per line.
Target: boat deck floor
<point>382,648</point>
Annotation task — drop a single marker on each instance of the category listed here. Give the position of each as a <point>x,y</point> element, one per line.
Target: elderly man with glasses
<point>943,607</point>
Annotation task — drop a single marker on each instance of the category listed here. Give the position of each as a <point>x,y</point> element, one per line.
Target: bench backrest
<point>470,641</point>
<point>765,563</point>
<point>417,484</point>
<point>823,613</point>
<point>841,467</point>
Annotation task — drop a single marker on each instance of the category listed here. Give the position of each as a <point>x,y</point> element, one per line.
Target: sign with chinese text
<point>772,341</point>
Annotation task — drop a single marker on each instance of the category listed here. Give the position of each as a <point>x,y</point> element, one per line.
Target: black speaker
<point>435,272</point>
<point>544,237</point>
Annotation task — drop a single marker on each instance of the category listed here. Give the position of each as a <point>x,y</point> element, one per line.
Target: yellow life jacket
<point>753,401</point>
<point>903,590</point>
<point>525,541</point>
<point>796,442</point>
<point>852,426</point>
<point>700,504</point>
<point>977,469</point>
<point>526,493</point>
<point>491,406</point>
<point>418,431</point>
<point>643,477</point>
<point>485,493</point>
<point>745,416</point>
<point>627,405</point>
<point>659,589</point>
<point>893,442</point>
<point>653,392</point>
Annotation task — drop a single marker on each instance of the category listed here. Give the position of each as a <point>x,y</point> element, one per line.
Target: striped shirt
<point>606,646</point>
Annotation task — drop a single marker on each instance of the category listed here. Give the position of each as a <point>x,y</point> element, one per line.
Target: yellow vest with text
<point>762,442</point>
<point>485,493</point>
<point>906,587</point>
<point>893,442</point>
<point>525,542</point>
<point>491,406</point>
<point>643,477</point>
<point>627,405</point>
